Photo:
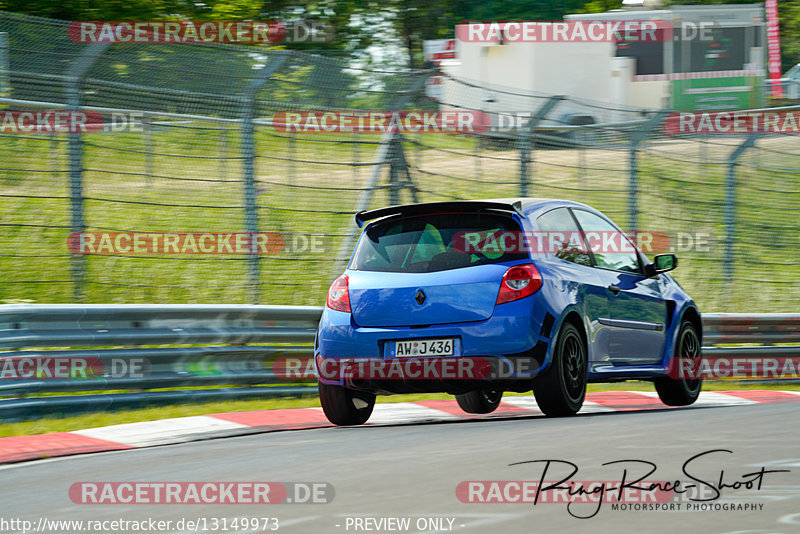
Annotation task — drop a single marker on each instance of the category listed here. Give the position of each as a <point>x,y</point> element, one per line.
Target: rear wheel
<point>561,388</point>
<point>481,401</point>
<point>677,391</point>
<point>345,407</point>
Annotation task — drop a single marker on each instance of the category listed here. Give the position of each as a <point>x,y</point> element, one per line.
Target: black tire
<point>561,388</point>
<point>481,401</point>
<point>345,407</point>
<point>678,391</point>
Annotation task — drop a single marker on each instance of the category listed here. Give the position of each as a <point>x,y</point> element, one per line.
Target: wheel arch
<point>575,318</point>
<point>688,313</point>
<point>691,314</point>
<point>572,315</point>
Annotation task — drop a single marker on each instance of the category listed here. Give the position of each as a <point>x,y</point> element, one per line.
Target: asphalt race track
<point>412,471</point>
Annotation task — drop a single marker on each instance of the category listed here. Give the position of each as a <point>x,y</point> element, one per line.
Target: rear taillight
<point>519,281</point>
<point>339,294</point>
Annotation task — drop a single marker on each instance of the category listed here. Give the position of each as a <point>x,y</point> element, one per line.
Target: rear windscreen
<point>429,243</point>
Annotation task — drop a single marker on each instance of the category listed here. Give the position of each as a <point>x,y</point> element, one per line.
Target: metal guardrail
<point>751,328</point>
<point>763,329</point>
<point>149,347</point>
<point>196,346</point>
<point>69,325</point>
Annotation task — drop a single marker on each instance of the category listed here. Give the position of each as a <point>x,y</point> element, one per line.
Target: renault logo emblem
<point>420,297</point>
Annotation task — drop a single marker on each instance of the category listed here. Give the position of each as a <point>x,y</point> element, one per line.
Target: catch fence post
<point>249,163</point>
<point>5,67</point>
<point>386,153</point>
<point>730,209</point>
<point>525,140</point>
<point>639,135</point>
<point>74,77</point>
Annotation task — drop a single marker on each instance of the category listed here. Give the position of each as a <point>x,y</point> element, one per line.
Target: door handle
<point>614,289</point>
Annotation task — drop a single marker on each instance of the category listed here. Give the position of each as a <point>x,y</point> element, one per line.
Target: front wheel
<point>481,401</point>
<point>561,388</point>
<point>678,391</point>
<point>345,407</point>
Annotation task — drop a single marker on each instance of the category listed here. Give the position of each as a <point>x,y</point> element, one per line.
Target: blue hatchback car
<point>474,298</point>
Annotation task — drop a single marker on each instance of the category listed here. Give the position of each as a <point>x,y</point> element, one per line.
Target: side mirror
<point>662,263</point>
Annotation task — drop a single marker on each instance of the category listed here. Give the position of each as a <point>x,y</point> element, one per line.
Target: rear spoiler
<point>430,207</point>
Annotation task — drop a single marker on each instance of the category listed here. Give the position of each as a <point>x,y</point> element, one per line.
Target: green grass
<point>681,189</point>
<point>67,424</point>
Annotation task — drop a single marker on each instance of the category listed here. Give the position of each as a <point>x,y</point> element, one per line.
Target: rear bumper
<point>514,341</point>
<point>431,375</point>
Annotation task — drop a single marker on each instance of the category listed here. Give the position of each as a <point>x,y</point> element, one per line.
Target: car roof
<point>527,207</point>
<point>530,206</point>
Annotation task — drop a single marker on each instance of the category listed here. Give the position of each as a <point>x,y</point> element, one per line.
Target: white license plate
<point>423,347</point>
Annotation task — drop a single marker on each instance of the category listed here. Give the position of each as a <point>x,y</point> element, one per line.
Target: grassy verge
<point>68,424</point>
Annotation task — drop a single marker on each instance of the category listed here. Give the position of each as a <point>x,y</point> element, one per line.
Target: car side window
<point>559,236</point>
<point>611,248</point>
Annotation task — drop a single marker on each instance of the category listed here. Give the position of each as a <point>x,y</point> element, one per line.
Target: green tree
<point>789,16</point>
<point>417,21</point>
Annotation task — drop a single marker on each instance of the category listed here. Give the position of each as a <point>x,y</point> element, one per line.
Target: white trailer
<point>713,58</point>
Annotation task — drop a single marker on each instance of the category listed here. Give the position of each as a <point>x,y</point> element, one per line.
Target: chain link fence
<point>206,156</point>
